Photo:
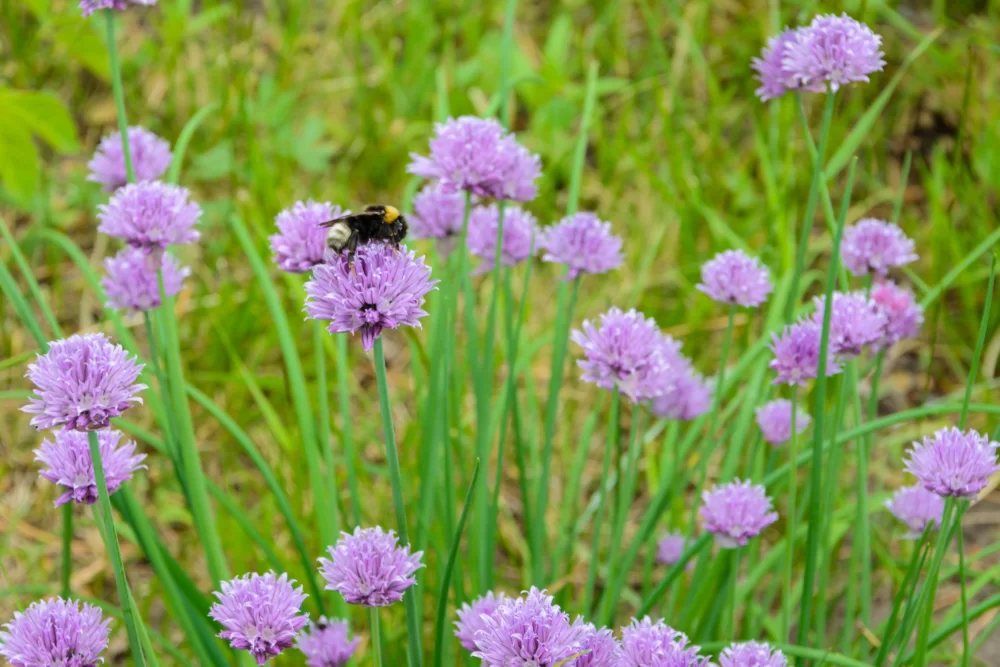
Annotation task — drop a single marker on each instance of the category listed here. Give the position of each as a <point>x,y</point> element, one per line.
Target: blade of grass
<point>184,138</point>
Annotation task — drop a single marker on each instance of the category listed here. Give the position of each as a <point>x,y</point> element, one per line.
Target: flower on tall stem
<point>470,617</point>
<point>649,644</point>
<point>735,278</point>
<point>584,243</point>
<point>752,654</point>
<point>775,421</point>
<point>150,155</point>
<point>598,645</point>
<point>833,51</point>
<point>904,316</point>
<point>70,467</point>
<point>916,507</point>
<point>55,632</point>
<point>519,231</point>
<point>736,512</point>
<point>670,548</point>
<point>875,246</point>
<point>131,281</point>
<point>856,322</point>
<point>438,212</point>
<point>953,463</point>
<point>527,630</point>
<point>796,353</point>
<point>150,215</point>
<point>300,243</point>
<point>325,643</point>
<point>689,396</point>
<point>261,613</point>
<point>81,383</point>
<point>774,78</point>
<point>368,567</point>
<point>88,7</point>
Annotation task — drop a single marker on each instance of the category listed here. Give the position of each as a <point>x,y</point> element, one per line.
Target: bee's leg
<point>351,247</point>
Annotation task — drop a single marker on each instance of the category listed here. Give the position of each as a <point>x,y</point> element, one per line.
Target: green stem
<point>905,593</point>
<point>925,601</point>
<point>344,397</point>
<point>392,458</point>
<point>154,359</point>
<point>376,636</point>
<point>793,524</point>
<point>733,576</point>
<point>67,548</point>
<point>603,491</point>
<point>961,579</point>
<point>114,551</point>
<point>323,422</point>
<point>119,94</point>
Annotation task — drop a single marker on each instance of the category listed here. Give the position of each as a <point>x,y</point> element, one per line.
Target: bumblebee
<point>375,223</point>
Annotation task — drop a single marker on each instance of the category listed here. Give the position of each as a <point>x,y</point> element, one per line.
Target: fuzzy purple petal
<point>953,463</point>
<point>55,633</point>
<point>131,281</point>
<point>150,155</point>
<point>150,215</point>
<point>584,243</point>
<point>368,568</point>
<point>736,512</point>
<point>68,464</point>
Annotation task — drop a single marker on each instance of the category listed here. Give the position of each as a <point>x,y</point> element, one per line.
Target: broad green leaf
<point>42,113</point>
<point>83,44</point>
<point>18,161</point>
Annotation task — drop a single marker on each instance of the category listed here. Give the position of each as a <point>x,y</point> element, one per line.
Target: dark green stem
<point>119,94</point>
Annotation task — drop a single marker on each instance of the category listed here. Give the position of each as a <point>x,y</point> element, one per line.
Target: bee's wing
<point>332,222</point>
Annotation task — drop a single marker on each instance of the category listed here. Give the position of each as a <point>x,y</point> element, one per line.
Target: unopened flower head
<point>775,421</point>
<point>261,613</point>
<point>369,568</point>
<point>735,278</point>
<point>775,80</point>
<point>383,289</point>
<point>438,212</point>
<point>598,645</point>
<point>55,633</point>
<point>584,243</point>
<point>478,155</point>
<point>904,316</point>
<point>649,644</point>
<point>325,643</point>
<point>527,630</point>
<point>68,464</point>
<point>875,246</point>
<point>624,350</point>
<point>150,215</point>
<point>470,617</point>
<point>150,158</point>
<point>300,243</point>
<point>131,282</point>
<point>670,548</point>
<point>832,51</point>
<point>855,322</point>
<point>953,463</point>
<point>796,353</point>
<point>916,507</point>
<point>519,231</point>
<point>81,383</point>
<point>752,654</point>
<point>88,7</point>
<point>735,512</point>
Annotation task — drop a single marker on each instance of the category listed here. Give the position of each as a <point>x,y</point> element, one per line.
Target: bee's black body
<point>375,223</point>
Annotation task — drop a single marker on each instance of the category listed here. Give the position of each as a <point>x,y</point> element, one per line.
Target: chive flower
<point>916,507</point>
<point>688,397</point>
<point>735,512</point>
<point>953,463</point>
<point>735,278</point>
<point>904,316</point>
<point>150,215</point>
<point>519,231</point>
<point>796,353</point>
<point>470,617</point>
<point>368,568</point>
<point>752,654</point>
<point>775,421</point>
<point>438,212</point>
<point>260,613</point>
<point>856,322</point>
<point>584,243</point>
<point>599,647</point>
<point>300,243</point>
<point>527,630</point>
<point>670,548</point>
<point>832,51</point>
<point>88,7</point>
<point>81,383</point>
<point>649,644</point>
<point>774,78</point>
<point>325,643</point>
<point>131,282</point>
<point>150,155</point>
<point>875,246</point>
<point>70,467</point>
<point>55,633</point>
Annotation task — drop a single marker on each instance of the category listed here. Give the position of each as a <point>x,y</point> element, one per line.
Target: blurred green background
<point>326,99</point>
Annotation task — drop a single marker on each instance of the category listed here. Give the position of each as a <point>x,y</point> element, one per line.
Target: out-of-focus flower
<point>88,7</point>
<point>584,243</point>
<point>82,382</point>
<point>649,644</point>
<point>368,568</point>
<point>470,617</point>
<point>916,507</point>
<point>904,316</point>
<point>519,230</point>
<point>479,156</point>
<point>855,322</point>
<point>775,80</point>
<point>131,280</point>
<point>875,246</point>
<point>150,215</point>
<point>796,353</point>
<point>735,278</point>
<point>834,51</point>
<point>775,421</point>
<point>260,613</point>
<point>325,643</point>
<point>384,289</point>
<point>150,157</point>
<point>690,397</point>
<point>56,633</point>
<point>670,548</point>
<point>953,463</point>
<point>300,243</point>
<point>599,647</point>
<point>527,630</point>
<point>437,212</point>
<point>752,654</point>
<point>70,466</point>
<point>735,512</point>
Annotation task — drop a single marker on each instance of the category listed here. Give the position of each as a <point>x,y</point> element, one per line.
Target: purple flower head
<point>325,643</point>
<point>70,466</point>
<point>131,281</point>
<point>775,421</point>
<point>774,79</point>
<point>875,246</point>
<point>150,158</point>
<point>470,617</point>
<point>953,463</point>
<point>670,548</point>
<point>627,350</point>
<point>916,507</point>
<point>584,243</point>
<point>384,289</point>
<point>56,633</point>
<point>735,278</point>
<point>300,243</point>
<point>649,644</point>
<point>437,212</point>
<point>519,229</point>
<point>81,383</point>
<point>752,654</point>
<point>904,316</point>
<point>88,7</point>
<point>368,568</point>
<point>735,512</point>
<point>260,613</point>
<point>688,397</point>
<point>527,631</point>
<point>832,50</point>
<point>150,215</point>
<point>855,322</point>
<point>477,155</point>
<point>599,647</point>
<point>796,353</point>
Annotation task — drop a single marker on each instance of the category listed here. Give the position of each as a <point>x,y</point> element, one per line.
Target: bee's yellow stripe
<point>391,213</point>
